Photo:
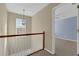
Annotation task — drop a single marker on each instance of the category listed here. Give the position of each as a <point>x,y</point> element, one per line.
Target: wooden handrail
<point>3,36</point>
<point>43,33</point>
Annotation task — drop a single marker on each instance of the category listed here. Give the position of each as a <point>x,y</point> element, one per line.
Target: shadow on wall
<point>66,28</point>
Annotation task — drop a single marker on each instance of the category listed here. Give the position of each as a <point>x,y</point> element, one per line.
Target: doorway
<point>65,30</point>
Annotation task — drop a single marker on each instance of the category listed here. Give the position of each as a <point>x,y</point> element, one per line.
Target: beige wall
<point>3,28</point>
<point>18,45</point>
<point>42,21</point>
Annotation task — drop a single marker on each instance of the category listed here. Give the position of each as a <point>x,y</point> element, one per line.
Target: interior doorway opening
<point>65,30</point>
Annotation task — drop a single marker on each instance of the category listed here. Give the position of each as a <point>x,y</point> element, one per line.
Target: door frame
<point>77,29</point>
<point>53,26</point>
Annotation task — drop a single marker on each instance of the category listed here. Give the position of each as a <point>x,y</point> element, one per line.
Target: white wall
<point>3,29</point>
<point>66,29</point>
<point>64,11</point>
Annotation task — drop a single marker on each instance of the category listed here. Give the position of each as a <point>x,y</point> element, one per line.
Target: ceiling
<point>30,8</point>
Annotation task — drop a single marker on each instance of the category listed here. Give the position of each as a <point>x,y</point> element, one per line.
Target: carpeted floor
<point>42,53</point>
<point>63,48</point>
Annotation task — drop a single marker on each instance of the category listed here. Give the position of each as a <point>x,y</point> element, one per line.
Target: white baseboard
<point>23,53</point>
<point>66,39</point>
<point>29,51</point>
<point>51,52</point>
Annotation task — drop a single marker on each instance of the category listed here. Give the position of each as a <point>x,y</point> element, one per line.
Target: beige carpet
<point>65,47</point>
<point>42,53</point>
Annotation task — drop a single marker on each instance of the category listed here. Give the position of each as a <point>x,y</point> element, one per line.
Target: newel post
<point>43,40</point>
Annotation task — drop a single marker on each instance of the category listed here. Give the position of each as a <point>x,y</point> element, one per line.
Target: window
<point>19,23</point>
<point>20,27</point>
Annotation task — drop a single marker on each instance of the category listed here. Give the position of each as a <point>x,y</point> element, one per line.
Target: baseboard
<point>34,52</point>
<point>29,52</point>
<point>66,39</point>
<point>51,52</point>
<point>23,53</point>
